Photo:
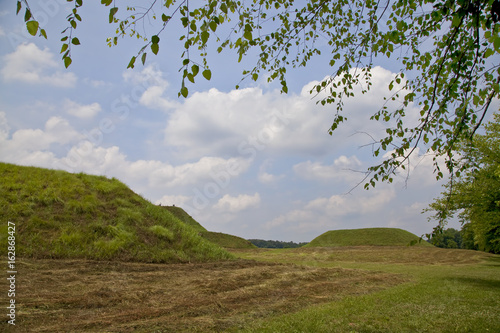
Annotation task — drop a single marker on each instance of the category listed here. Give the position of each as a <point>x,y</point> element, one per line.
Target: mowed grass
<point>352,289</point>
<point>449,291</point>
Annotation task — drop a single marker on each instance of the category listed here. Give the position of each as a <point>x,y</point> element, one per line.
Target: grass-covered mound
<point>185,217</point>
<point>227,241</point>
<point>219,238</point>
<point>63,215</point>
<point>367,236</point>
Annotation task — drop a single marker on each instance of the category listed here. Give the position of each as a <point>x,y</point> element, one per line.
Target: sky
<point>251,162</point>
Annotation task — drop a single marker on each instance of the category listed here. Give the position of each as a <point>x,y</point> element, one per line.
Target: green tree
<point>447,51</point>
<point>475,195</point>
<point>450,238</point>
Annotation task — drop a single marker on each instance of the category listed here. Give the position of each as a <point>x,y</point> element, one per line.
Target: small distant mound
<point>219,238</point>
<point>58,214</point>
<point>366,237</point>
<point>185,217</point>
<point>227,241</point>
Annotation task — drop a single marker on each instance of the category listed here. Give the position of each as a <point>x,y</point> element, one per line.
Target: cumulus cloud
<point>26,141</point>
<point>81,111</point>
<point>30,64</point>
<point>342,168</point>
<point>324,213</point>
<point>151,86</point>
<point>266,178</point>
<point>251,122</point>
<point>235,204</point>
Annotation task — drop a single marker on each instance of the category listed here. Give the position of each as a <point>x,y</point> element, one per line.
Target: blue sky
<point>250,162</point>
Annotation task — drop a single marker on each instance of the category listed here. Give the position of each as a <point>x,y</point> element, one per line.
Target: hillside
<point>62,215</point>
<point>367,236</point>
<point>227,241</point>
<point>184,217</point>
<point>219,238</point>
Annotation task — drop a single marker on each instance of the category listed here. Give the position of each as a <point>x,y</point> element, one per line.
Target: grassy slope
<point>185,217</point>
<point>227,241</point>
<point>219,238</point>
<point>367,236</point>
<point>62,215</point>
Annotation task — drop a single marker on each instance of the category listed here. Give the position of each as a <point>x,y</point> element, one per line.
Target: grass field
<point>351,289</point>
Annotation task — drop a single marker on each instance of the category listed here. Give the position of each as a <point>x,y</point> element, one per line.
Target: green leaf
<point>64,48</point>
<point>207,74</point>
<point>184,92</point>
<point>143,58</point>
<point>195,69</point>
<point>32,27</point>
<point>106,2</point>
<point>43,33</point>
<point>155,48</point>
<point>165,18</point>
<point>155,39</point>
<point>131,63</point>
<point>204,37</point>
<point>112,13</point>
<point>223,7</point>
<point>496,44</point>
<point>73,24</point>
<point>213,25</point>
<point>27,15</point>
<point>19,6</point>
<point>248,35</point>
<point>67,62</point>
<point>168,3</point>
<point>75,41</point>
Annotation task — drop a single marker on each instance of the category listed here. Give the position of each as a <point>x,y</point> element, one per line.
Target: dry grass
<point>96,296</point>
<point>368,254</point>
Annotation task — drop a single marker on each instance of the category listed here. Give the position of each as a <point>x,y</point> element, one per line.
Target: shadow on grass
<point>486,284</point>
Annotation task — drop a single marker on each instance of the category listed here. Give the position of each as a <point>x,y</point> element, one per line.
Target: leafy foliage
<point>450,239</point>
<point>475,195</point>
<point>447,51</point>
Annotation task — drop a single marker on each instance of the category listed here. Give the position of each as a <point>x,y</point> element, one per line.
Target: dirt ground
<point>93,296</point>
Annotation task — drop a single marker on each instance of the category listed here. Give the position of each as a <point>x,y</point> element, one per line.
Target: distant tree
<point>447,52</point>
<point>274,244</point>
<point>475,195</point>
<point>449,238</point>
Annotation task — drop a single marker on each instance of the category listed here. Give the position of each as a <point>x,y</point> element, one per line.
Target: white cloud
<point>239,203</point>
<point>266,178</point>
<point>57,131</point>
<point>30,64</point>
<point>169,200</point>
<point>81,111</point>
<point>4,127</point>
<point>253,123</point>
<point>324,213</point>
<point>2,32</point>
<point>342,168</point>
<point>151,86</point>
